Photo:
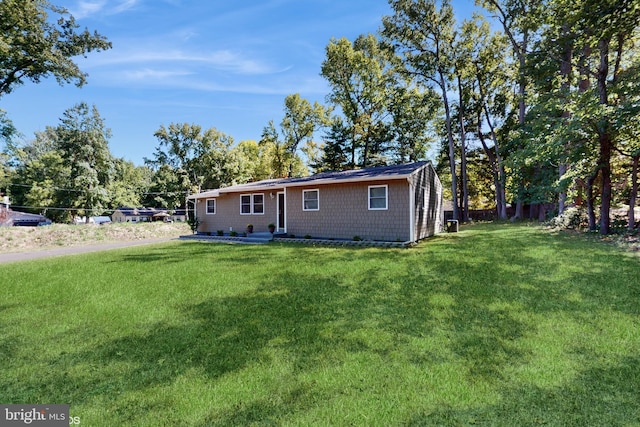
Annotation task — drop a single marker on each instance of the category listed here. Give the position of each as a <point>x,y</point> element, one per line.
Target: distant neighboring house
<point>9,217</point>
<point>389,203</point>
<point>100,220</point>
<point>24,219</point>
<point>104,219</point>
<point>127,214</point>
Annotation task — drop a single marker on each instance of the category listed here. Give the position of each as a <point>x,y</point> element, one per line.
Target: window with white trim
<point>245,204</point>
<point>310,200</point>
<point>211,206</point>
<point>251,204</point>
<point>258,204</point>
<point>378,197</point>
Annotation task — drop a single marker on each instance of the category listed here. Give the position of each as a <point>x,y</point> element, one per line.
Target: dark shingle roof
<point>366,174</point>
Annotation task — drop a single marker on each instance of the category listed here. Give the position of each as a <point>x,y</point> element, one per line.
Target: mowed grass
<point>496,325</point>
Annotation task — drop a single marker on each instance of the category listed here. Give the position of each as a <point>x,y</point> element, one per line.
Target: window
<point>377,197</point>
<point>252,204</point>
<point>258,203</point>
<point>245,204</point>
<point>310,200</point>
<point>211,206</point>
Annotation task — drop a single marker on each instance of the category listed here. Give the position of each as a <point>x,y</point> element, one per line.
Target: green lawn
<point>495,325</point>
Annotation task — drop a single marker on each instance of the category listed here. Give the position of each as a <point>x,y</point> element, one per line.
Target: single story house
<point>127,214</point>
<point>23,219</point>
<point>388,203</point>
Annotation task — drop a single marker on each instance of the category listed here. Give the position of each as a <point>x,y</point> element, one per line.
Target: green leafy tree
<point>168,188</point>
<point>335,153</point>
<point>41,176</point>
<point>37,40</point>
<point>361,76</point>
<point>521,21</point>
<point>412,111</point>
<point>254,159</point>
<point>422,34</point>
<point>129,184</point>
<point>82,138</point>
<point>189,159</point>
<point>8,133</point>
<point>301,120</point>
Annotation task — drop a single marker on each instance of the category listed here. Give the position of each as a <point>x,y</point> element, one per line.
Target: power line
<point>146,193</point>
<point>61,209</point>
<point>81,209</point>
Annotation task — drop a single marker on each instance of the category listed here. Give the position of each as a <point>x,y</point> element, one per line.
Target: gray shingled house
<point>388,203</point>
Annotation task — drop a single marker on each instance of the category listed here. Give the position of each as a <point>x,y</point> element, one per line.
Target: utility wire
<point>146,193</point>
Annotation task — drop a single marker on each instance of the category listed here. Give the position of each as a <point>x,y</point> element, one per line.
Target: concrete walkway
<point>47,253</point>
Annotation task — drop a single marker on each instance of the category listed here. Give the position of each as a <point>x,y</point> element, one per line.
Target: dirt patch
<point>22,239</point>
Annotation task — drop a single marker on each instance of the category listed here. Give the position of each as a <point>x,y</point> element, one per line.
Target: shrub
<point>307,236</point>
<point>193,224</point>
<point>220,232</point>
<point>357,238</point>
<point>572,218</point>
<point>233,233</point>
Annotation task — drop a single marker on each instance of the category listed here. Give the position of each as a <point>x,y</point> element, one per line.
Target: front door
<point>281,213</point>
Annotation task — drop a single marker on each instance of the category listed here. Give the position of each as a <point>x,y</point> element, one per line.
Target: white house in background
<point>127,214</point>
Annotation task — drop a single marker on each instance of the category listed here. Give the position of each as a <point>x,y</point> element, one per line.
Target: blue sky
<point>227,65</point>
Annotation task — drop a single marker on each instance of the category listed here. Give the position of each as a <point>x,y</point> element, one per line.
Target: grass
<point>496,325</point>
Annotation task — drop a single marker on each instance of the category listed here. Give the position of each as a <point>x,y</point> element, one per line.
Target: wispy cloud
<point>87,8</point>
<point>124,6</point>
<point>220,59</point>
<point>149,74</point>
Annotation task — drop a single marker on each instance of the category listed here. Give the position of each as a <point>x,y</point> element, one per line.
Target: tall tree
<point>413,111</point>
<point>8,132</point>
<point>360,75</point>
<point>301,119</point>
<point>422,33</point>
<point>335,154</point>
<point>521,21</point>
<point>35,45</point>
<point>128,184</point>
<point>82,138</point>
<point>199,159</point>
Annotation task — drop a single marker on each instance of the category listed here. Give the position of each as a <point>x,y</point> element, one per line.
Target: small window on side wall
<point>211,206</point>
<point>310,200</point>
<point>378,197</point>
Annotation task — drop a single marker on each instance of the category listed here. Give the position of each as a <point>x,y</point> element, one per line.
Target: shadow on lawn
<point>476,298</point>
<point>598,397</point>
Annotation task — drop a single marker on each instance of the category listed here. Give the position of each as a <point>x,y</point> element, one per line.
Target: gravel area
<point>32,239</point>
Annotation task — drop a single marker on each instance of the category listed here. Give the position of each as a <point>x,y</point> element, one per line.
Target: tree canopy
<point>37,40</point>
<point>536,104</point>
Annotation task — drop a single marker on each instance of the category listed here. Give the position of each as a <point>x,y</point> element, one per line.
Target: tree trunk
<point>519,208</point>
<point>565,73</point>
<point>502,209</point>
<point>606,144</point>
<point>590,202</point>
<point>634,192</point>
<point>494,169</point>
<point>562,197</point>
<point>452,154</point>
<point>463,157</point>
